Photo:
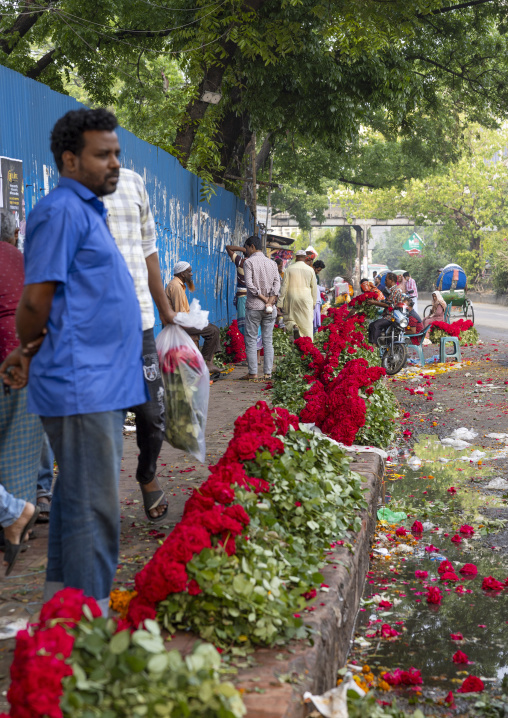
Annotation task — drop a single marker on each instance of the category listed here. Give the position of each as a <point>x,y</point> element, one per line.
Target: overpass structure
<point>334,217</point>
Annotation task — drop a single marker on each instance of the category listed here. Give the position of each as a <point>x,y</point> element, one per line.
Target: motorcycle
<point>392,342</point>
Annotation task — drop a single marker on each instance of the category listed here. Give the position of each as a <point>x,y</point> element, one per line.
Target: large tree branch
<point>212,80</point>
<point>41,64</point>
<point>27,18</point>
<point>451,8</point>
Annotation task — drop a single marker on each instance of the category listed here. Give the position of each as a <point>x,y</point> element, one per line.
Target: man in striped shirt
<point>131,223</point>
<point>412,290</point>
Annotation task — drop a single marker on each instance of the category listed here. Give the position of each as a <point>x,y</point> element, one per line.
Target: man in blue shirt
<point>89,367</point>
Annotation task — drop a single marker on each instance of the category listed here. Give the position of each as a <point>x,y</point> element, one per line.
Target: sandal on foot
<point>151,501</point>
<point>44,509</point>
<point>247,377</point>
<point>12,550</point>
<point>267,377</point>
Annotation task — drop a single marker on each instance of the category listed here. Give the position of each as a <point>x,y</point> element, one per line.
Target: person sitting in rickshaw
<point>395,299</point>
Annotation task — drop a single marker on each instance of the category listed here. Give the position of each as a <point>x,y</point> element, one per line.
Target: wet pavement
<point>444,488</point>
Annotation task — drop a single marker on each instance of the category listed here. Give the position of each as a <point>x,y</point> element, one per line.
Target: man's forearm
<point>33,311</point>
<point>156,288</point>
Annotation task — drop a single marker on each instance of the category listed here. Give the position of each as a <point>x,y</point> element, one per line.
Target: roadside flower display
<point>234,344</point>
<point>463,329</point>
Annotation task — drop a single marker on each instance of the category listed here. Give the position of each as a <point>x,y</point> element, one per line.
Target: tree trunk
<point>212,80</point>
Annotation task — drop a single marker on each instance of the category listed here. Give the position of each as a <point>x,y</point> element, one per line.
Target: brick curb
<point>274,686</point>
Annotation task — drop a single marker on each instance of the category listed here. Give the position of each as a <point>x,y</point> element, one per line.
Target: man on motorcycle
<point>394,299</point>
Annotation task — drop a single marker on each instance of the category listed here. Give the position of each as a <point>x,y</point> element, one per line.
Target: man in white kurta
<point>298,296</point>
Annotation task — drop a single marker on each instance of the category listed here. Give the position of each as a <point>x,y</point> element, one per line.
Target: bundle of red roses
<point>234,344</point>
<point>211,519</point>
<point>41,653</point>
<point>456,328</point>
<point>336,408</point>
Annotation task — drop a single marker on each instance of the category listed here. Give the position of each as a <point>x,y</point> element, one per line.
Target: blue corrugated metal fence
<point>186,228</point>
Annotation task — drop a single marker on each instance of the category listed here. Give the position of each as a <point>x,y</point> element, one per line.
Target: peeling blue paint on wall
<point>187,229</point>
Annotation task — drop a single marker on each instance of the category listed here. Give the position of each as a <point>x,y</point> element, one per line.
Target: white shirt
<point>130,221</point>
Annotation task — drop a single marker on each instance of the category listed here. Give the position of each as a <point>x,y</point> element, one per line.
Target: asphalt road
<point>491,320</point>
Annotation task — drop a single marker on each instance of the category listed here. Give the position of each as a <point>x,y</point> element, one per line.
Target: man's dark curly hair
<point>67,134</point>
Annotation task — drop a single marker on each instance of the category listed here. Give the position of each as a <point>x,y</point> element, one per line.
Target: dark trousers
<point>376,329</point>
<point>150,415</point>
<point>211,335</point>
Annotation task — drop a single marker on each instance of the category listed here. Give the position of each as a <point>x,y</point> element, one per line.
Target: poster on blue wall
<point>11,188</point>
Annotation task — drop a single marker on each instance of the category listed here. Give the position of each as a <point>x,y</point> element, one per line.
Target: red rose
<point>450,700</point>
<point>399,677</point>
<point>237,513</point>
<point>469,569</point>
<point>491,584</point>
<point>309,595</point>
<point>460,657</point>
<point>467,530</point>
<point>193,589</point>
<point>387,631</point>
<point>472,684</point>
<point>139,611</point>
<point>68,603</point>
<point>449,576</point>
<point>452,490</point>
<point>444,567</point>
<point>417,527</point>
<point>456,636</point>
<point>385,604</point>
<point>401,531</point>
<point>434,595</point>
<point>421,574</point>
<point>456,539</point>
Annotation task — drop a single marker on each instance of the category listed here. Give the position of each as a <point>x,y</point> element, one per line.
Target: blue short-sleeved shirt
<point>91,358</point>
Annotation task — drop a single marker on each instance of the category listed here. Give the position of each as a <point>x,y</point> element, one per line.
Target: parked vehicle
<point>392,342</point>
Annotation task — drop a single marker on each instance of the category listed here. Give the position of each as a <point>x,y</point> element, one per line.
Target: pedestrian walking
<point>412,290</point>
<point>131,223</point>
<point>298,296</point>
<point>175,292</point>
<point>263,284</point>
<point>89,367</point>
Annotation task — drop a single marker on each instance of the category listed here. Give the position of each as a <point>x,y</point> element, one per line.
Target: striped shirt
<point>411,288</point>
<point>130,221</point>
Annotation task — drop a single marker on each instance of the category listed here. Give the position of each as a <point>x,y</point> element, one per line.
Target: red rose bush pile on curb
<point>462,329</point>
<point>245,558</point>
<point>336,382</point>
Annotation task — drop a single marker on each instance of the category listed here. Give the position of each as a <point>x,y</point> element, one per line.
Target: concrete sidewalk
<point>178,474</point>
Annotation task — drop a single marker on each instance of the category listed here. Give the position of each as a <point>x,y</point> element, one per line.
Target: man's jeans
<point>45,477</point>
<point>150,415</point>
<point>253,319</point>
<point>85,511</point>
<point>10,508</point>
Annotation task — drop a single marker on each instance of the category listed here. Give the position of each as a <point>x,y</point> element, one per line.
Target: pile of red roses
<point>334,403</point>
<point>455,329</point>
<point>234,344</point>
<point>40,657</point>
<point>211,518</point>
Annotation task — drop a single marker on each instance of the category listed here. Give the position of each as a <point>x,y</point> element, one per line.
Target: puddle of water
<point>481,616</point>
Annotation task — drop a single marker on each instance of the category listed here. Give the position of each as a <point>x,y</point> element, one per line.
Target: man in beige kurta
<point>298,296</point>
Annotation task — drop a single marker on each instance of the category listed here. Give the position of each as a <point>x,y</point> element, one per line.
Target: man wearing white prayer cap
<point>175,292</point>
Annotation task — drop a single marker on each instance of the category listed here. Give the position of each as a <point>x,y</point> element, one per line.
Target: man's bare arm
<point>33,311</point>
<point>156,288</point>
<point>231,249</point>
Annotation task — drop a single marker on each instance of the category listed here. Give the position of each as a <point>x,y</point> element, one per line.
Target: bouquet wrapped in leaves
<point>186,381</point>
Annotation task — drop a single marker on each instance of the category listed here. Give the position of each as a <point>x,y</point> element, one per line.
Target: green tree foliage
<point>306,73</point>
<point>469,201</point>
<point>339,254</point>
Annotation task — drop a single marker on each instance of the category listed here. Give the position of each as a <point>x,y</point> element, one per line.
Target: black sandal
<point>12,550</point>
<point>44,509</point>
<point>151,501</point>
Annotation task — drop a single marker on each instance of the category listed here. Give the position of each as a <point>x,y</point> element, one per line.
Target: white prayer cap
<point>180,267</point>
<point>301,253</point>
